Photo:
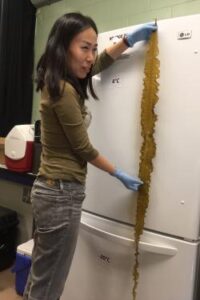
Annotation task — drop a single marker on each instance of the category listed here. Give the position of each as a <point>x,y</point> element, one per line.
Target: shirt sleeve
<point>68,112</point>
<point>102,62</point>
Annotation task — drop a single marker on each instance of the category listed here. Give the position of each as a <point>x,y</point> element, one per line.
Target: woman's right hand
<point>130,182</point>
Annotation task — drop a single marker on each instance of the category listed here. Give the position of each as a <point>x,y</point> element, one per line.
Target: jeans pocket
<point>51,212</point>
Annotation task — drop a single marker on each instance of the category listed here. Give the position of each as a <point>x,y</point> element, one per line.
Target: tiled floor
<point>7,286</point>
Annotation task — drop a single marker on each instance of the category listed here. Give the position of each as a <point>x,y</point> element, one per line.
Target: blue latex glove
<point>130,182</point>
<point>141,34</point>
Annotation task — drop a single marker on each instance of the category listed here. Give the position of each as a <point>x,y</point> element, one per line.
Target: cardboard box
<point>2,156</point>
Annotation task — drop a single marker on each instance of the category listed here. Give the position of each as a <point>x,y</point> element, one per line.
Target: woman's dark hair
<point>51,68</point>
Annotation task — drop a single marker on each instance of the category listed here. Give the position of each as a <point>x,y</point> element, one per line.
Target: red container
<point>19,148</point>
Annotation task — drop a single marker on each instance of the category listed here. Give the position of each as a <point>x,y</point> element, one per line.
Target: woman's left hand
<point>143,33</point>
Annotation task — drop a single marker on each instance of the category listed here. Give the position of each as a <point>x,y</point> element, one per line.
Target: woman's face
<point>82,53</point>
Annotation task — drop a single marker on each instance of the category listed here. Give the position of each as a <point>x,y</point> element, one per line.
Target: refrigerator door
<point>103,262</point>
<point>115,131</point>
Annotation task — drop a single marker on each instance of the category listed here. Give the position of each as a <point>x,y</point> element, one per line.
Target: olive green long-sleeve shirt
<point>66,147</point>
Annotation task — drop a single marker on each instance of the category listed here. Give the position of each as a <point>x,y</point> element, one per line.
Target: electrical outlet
<point>26,194</point>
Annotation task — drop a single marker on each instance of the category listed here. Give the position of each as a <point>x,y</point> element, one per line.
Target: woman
<point>63,75</point>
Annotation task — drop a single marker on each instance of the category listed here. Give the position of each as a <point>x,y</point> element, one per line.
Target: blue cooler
<point>22,265</point>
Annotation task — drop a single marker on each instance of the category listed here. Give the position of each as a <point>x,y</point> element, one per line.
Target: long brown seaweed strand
<point>148,149</point>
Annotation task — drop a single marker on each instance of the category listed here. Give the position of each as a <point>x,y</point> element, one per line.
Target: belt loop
<point>61,185</point>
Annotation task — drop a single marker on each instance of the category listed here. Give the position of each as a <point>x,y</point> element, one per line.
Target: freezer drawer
<point>102,265</point>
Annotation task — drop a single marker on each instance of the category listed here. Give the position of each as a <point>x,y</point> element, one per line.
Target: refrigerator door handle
<point>145,246</point>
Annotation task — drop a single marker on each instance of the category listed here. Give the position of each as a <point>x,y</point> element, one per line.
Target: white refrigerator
<point>169,247</point>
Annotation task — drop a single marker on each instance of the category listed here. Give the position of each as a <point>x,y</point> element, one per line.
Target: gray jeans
<point>57,211</point>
